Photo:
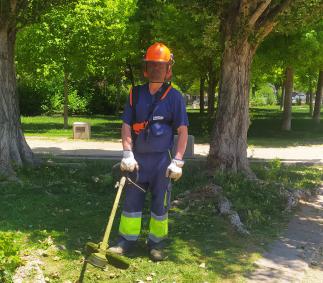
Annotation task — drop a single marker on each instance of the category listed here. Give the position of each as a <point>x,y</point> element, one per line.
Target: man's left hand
<point>174,170</point>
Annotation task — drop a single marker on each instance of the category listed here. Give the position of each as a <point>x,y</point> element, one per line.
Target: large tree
<point>244,25</point>
<point>14,14</point>
<point>90,39</point>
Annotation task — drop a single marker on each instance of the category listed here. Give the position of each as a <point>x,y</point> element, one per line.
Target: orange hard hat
<point>158,52</point>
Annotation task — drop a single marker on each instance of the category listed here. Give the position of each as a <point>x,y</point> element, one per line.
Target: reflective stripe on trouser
<point>130,225</point>
<point>151,176</point>
<point>158,227</point>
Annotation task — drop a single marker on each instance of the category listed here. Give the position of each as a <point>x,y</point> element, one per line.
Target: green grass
<point>265,129</point>
<point>102,127</point>
<point>68,203</point>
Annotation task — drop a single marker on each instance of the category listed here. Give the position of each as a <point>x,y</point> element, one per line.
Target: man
<point>152,113</point>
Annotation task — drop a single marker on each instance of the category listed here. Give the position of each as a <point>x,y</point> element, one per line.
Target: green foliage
<point>9,255</point>
<point>88,43</point>
<point>265,95</point>
<point>77,104</point>
<point>96,40</point>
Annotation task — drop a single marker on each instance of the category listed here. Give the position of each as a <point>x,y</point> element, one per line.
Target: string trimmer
<point>98,254</point>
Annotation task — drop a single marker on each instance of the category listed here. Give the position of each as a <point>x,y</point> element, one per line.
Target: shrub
<point>264,96</point>
<point>77,104</point>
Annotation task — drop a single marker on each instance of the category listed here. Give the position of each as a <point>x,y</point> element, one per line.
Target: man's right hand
<point>128,162</point>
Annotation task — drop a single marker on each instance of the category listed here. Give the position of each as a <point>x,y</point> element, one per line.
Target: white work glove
<point>174,170</point>
<point>128,162</point>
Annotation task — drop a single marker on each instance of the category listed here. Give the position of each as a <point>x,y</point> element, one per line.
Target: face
<point>157,71</point>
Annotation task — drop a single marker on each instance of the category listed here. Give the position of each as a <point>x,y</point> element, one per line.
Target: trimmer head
<point>91,248</point>
<point>98,254</point>
<point>98,260</point>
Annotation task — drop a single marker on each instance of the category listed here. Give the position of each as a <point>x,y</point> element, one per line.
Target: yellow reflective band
<point>158,228</point>
<point>130,225</point>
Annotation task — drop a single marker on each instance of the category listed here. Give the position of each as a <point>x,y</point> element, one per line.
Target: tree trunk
<point>65,100</point>
<point>309,97</point>
<point>13,146</point>
<point>277,89</point>
<point>202,85</point>
<point>129,74</point>
<point>311,102</point>
<point>318,98</point>
<point>287,114</point>
<point>228,147</point>
<point>282,98</point>
<point>254,90</point>
<point>307,101</point>
<point>211,93</point>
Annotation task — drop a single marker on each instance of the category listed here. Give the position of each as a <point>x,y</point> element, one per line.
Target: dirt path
<point>105,149</point>
<point>297,255</point>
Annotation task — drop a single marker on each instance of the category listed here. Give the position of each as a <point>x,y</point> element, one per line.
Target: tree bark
<point>202,86</point>
<point>129,74</point>
<point>311,103</point>
<point>213,81</point>
<point>13,146</point>
<point>282,98</point>
<point>65,100</point>
<point>287,114</point>
<point>318,98</point>
<point>310,99</point>
<point>228,147</point>
<point>241,21</point>
<point>307,101</point>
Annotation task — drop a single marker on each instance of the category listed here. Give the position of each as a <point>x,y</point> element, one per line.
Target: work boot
<point>157,254</point>
<point>156,250</point>
<point>121,247</point>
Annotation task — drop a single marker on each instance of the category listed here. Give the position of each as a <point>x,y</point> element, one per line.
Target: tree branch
<point>267,21</point>
<point>244,7</point>
<point>258,12</point>
<point>13,5</point>
<point>268,18</point>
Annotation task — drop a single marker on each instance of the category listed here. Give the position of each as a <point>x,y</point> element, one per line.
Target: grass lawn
<point>102,127</point>
<point>59,206</point>
<point>264,129</point>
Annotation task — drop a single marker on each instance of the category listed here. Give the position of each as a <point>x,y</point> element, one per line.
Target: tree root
<point>293,197</point>
<point>224,206</point>
<point>221,203</point>
<point>30,272</point>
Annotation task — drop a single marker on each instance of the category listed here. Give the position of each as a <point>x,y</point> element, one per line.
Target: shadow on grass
<point>70,202</point>
<point>71,205</point>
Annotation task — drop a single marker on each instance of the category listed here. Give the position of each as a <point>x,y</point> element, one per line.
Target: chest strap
<point>134,96</point>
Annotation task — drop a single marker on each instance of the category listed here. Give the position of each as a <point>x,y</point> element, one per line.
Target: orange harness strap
<point>138,127</point>
<point>166,92</point>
